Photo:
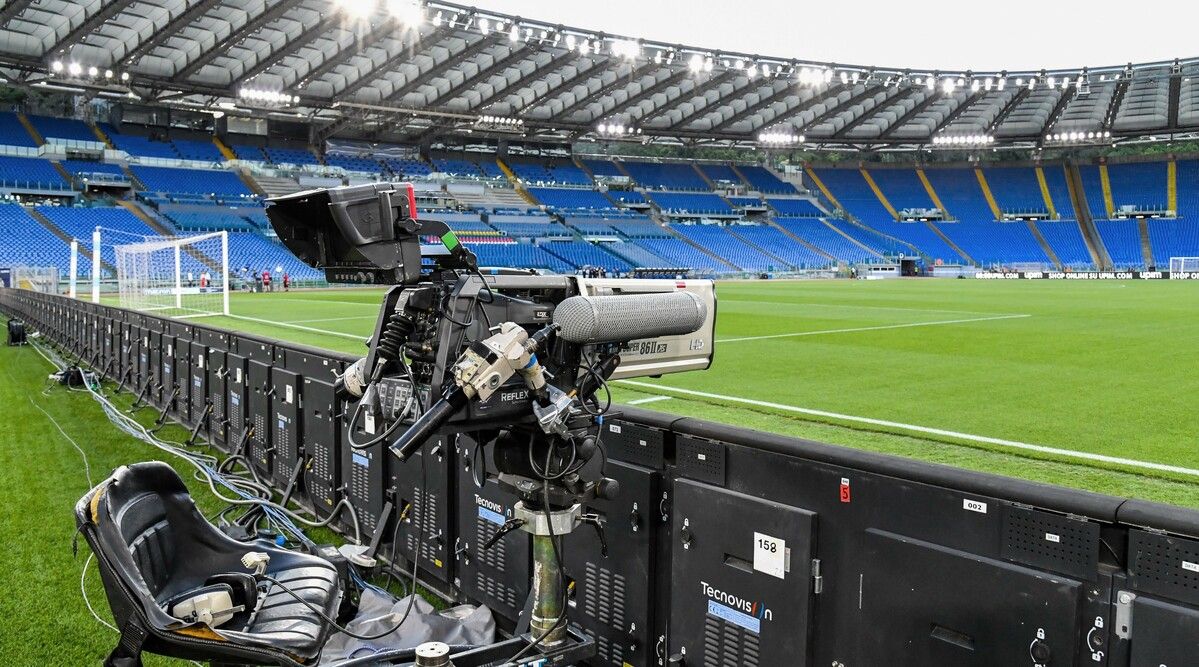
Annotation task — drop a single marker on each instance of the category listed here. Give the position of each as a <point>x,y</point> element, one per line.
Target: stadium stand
<point>69,129</point>
<point>991,243</point>
<point>525,255</point>
<point>190,181</point>
<point>407,168</point>
<point>1172,238</point>
<point>249,250</point>
<point>961,187</point>
<point>679,253</point>
<point>28,243</point>
<point>566,199</point>
<point>359,163</point>
<point>603,168</point>
<point>688,204</point>
<point>628,197</point>
<point>1016,190</point>
<point>724,243</point>
<point>1093,189</point>
<point>527,226</point>
<point>290,156</point>
<point>248,153</point>
<point>13,133</point>
<point>794,208</point>
<point>764,181</point>
<point>30,172</point>
<point>580,254</point>
<point>117,226</point>
<point>1065,239</point>
<point>1123,242</point>
<point>1059,192</point>
<point>203,151</point>
<point>720,172</point>
<point>552,173</point>
<point>639,256</point>
<point>141,146</point>
<point>670,176</point>
<point>902,187</point>
<point>78,167</point>
<point>826,238</point>
<point>1141,185</point>
<point>780,245</point>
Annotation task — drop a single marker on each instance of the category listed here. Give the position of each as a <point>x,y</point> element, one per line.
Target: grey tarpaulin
<point>378,612</point>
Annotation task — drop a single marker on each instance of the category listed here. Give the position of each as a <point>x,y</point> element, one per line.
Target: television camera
<point>518,359</point>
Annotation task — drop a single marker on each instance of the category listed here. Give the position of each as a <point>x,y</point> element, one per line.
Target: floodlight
<point>56,65</point>
<point>75,69</point>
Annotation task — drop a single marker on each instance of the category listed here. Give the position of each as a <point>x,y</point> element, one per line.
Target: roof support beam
<point>672,80</point>
<point>250,27</point>
<point>715,81</point>
<point>402,55</point>
<point>829,93</point>
<point>1113,107</point>
<point>837,108</point>
<point>179,22</point>
<point>1007,110</point>
<point>1172,105</point>
<point>293,46</point>
<point>907,117</point>
<point>752,109</point>
<point>616,84</point>
<point>867,115</point>
<point>555,63</point>
<point>956,113</point>
<point>1058,109</point>
<point>565,84</point>
<point>518,54</point>
<point>442,67</point>
<point>90,24</point>
<point>378,30</point>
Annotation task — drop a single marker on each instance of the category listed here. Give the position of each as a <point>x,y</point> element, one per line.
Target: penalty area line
<point>908,325</point>
<point>969,437</point>
<point>650,399</point>
<point>299,326</point>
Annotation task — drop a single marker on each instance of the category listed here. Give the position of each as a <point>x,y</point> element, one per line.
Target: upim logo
<point>754,609</point>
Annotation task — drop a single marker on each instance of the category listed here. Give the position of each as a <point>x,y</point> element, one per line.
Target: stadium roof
<point>415,71</point>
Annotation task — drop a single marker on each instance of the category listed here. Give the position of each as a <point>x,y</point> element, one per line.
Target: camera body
<point>488,351</point>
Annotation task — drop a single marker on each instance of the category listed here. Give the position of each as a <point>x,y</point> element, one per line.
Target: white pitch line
<point>877,328</point>
<point>842,306</point>
<point>324,301</point>
<point>333,319</point>
<point>1012,444</point>
<point>300,327</point>
<point>650,399</point>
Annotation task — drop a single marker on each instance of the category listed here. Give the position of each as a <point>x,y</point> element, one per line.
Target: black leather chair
<point>153,545</point>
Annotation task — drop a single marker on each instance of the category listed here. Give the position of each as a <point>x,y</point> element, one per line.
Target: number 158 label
<point>770,555</point>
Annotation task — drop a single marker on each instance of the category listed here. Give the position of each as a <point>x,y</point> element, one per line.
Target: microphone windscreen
<point>628,317</point>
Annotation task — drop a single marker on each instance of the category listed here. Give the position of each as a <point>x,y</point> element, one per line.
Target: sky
<point>924,34</point>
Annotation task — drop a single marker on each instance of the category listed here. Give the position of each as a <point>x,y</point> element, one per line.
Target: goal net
<point>1184,265</point>
<point>177,277</point>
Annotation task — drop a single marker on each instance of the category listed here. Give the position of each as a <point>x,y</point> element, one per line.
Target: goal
<point>1184,265</point>
<point>178,277</point>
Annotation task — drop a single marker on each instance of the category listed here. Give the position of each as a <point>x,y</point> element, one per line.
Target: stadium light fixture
<point>75,69</point>
<point>571,42</point>
<point>408,12</point>
<point>930,83</point>
<point>627,48</point>
<point>124,76</point>
<point>107,74</point>
<point>56,66</point>
<point>976,84</point>
<point>484,25</point>
<point>709,64</point>
<point>948,86</point>
<point>437,20</point>
<point>1001,84</point>
<point>696,63</point>
<point>514,34</point>
<point>779,138</point>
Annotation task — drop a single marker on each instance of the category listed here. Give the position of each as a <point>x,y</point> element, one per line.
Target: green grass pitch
<point>1102,368</point>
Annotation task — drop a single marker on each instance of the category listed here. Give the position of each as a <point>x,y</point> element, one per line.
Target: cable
<point>87,467</point>
<point>86,601</point>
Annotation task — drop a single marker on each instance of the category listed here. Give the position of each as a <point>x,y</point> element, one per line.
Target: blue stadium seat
<point>996,242</point>
<point>1122,239</point>
<point>294,156</point>
<point>581,253</point>
<point>827,239</point>
<point>248,249</point>
<point>204,151</point>
<point>519,255</point>
<point>362,163</point>
<point>680,254</point>
<point>1065,239</point>
<point>248,153</point>
<point>720,172</point>
<point>784,247</point>
<point>677,203</point>
<point>143,146</point>
<point>30,172</point>
<point>1016,189</point>
<point>191,181</point>
<point>117,226</point>
<point>669,176</point>
<point>601,168</point>
<point>1173,238</point>
<point>961,193</point>
<point>28,243</point>
<point>1140,184</point>
<point>549,173</point>
<point>795,208</point>
<point>762,180</point>
<point>724,243</point>
<point>62,128</point>
<point>902,187</point>
<point>407,168</point>
<point>12,132</point>
<point>571,199</point>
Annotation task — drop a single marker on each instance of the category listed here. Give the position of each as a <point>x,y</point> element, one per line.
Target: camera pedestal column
<point>548,597</point>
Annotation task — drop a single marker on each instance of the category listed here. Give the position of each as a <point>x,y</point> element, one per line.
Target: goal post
<point>178,277</point>
<point>1184,265</point>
